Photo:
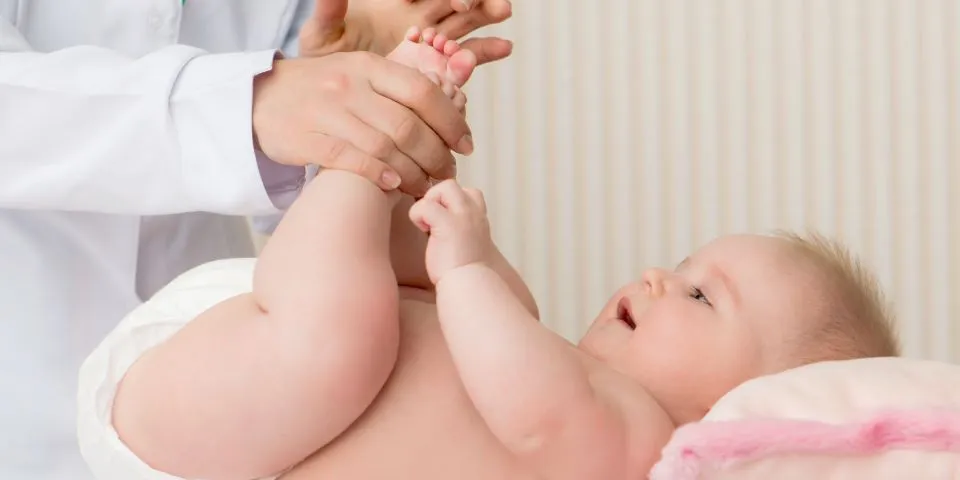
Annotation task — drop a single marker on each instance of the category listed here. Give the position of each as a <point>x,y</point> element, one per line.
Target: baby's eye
<point>697,294</point>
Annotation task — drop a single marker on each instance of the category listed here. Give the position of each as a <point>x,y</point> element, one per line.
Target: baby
<point>387,338</point>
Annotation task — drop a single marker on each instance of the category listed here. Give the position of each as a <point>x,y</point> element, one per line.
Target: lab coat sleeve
<point>285,194</point>
<point>88,129</point>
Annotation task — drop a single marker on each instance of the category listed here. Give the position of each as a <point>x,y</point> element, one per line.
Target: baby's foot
<point>439,58</point>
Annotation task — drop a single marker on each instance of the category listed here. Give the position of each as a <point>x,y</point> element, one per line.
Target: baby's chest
<point>422,426</point>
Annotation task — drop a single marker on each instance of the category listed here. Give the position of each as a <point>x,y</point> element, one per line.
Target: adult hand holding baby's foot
<point>361,113</point>
<point>456,220</point>
<point>373,143</point>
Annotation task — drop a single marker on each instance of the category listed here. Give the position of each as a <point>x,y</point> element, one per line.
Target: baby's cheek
<point>673,348</point>
<point>667,323</point>
<point>662,358</point>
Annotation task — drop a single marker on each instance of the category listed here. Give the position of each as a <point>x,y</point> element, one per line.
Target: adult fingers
<point>413,90</point>
<point>409,133</point>
<point>488,12</point>
<point>460,100</point>
<point>462,5</point>
<point>373,142</point>
<point>499,10</point>
<point>488,49</point>
<point>338,154</point>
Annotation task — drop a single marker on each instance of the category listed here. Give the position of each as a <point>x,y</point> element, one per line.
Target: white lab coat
<point>118,118</point>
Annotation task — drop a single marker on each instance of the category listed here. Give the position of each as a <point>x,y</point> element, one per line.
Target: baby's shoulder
<point>645,427</point>
<point>645,420</point>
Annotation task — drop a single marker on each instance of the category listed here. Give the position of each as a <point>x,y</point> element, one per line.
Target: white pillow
<point>878,418</point>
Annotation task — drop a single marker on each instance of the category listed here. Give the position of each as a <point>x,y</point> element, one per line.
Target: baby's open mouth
<point>624,315</point>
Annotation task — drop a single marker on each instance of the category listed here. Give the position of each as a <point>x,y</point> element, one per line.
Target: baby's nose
<point>653,282</point>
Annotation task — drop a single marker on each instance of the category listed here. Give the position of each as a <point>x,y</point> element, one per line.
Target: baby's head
<point>741,307</point>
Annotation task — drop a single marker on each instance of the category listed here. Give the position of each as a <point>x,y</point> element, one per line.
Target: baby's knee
<point>366,328</point>
<point>354,363</point>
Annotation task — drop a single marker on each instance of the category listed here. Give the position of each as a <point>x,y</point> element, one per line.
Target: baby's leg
<point>450,67</point>
<point>261,381</point>
<point>408,246</point>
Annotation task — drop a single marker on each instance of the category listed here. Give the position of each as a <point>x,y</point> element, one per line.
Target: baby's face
<point>692,334</point>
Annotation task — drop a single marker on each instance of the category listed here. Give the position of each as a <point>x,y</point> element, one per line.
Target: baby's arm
<point>558,415</point>
<point>262,380</point>
<point>407,246</point>
<point>533,391</point>
<point>514,282</point>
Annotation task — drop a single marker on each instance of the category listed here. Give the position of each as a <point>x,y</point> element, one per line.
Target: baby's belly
<point>422,426</point>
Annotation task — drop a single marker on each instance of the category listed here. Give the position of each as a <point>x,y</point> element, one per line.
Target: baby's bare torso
<point>422,426</point>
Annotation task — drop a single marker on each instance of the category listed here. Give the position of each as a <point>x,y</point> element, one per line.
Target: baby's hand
<point>456,219</point>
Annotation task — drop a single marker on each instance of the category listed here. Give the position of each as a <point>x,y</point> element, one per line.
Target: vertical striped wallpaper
<point>626,133</point>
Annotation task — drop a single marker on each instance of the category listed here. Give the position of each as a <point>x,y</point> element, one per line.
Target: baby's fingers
<point>477,197</point>
<point>426,214</point>
<point>449,194</point>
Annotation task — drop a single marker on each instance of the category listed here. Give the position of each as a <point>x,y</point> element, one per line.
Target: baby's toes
<point>451,47</point>
<point>413,34</point>
<point>439,42</point>
<point>460,67</point>
<point>429,34</point>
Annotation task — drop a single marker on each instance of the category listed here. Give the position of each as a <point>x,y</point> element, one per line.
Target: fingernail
<point>390,179</point>
<point>467,3</point>
<point>448,89</point>
<point>465,145</point>
<point>449,172</point>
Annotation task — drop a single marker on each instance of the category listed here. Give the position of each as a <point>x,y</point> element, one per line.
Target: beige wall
<point>624,133</point>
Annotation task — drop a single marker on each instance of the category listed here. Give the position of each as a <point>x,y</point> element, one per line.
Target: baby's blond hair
<point>854,319</point>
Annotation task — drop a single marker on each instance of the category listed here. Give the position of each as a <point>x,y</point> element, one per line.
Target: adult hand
<point>379,25</point>
<point>359,112</point>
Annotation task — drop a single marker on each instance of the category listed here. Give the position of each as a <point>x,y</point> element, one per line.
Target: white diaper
<point>147,326</point>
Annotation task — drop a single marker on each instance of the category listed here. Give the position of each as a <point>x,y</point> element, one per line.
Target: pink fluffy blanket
<point>720,445</point>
